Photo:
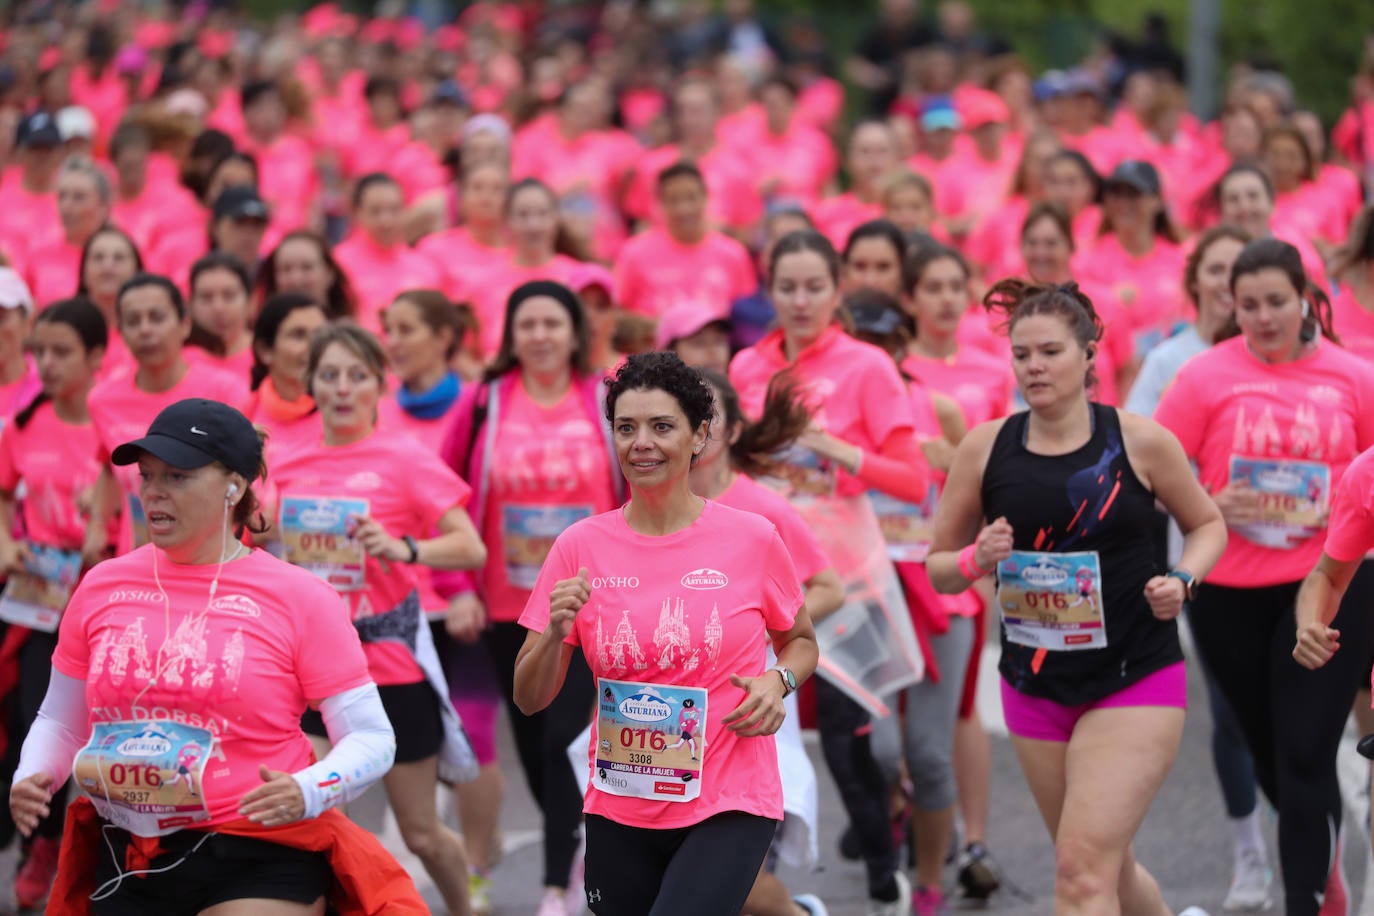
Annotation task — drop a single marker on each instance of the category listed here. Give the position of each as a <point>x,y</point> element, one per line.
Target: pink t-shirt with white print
<point>656,272</point>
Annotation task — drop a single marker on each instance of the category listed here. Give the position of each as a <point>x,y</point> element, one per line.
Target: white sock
<point>1246,835</point>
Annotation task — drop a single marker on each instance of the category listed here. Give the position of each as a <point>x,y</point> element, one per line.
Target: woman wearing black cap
<point>528,487</point>
<point>179,679</point>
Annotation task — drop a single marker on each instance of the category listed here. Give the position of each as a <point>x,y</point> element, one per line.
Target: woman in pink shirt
<point>83,206</point>
<point>278,400</point>
<point>1245,198</point>
<point>375,256</point>
<point>1047,247</point>
<point>178,683</point>
<point>872,154</point>
<point>1273,417</point>
<point>370,514</point>
<point>480,237</point>
<point>1300,200</point>
<point>19,380</point>
<point>873,255</point>
<point>991,246</point>
<point>531,439</point>
<point>302,263</point>
<point>1352,308</point>
<point>49,448</point>
<point>424,331</point>
<point>673,598</point>
<point>220,306</point>
<point>685,261</point>
<point>1137,256</point>
<point>863,438</point>
<point>109,259</point>
<point>539,250</point>
<point>151,317</point>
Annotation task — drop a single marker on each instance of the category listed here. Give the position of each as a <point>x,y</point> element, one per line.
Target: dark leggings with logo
<point>708,867</point>
<point>1292,718</point>
<point>542,741</point>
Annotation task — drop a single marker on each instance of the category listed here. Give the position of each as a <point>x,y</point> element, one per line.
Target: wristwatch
<point>789,680</point>
<point>1190,582</point>
<point>414,547</point>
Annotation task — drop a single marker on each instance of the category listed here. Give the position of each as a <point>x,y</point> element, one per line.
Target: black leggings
<point>542,742</point>
<point>708,867</point>
<point>844,726</point>
<point>1292,718</point>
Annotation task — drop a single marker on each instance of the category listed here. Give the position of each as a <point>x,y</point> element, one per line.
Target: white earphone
<point>233,491</point>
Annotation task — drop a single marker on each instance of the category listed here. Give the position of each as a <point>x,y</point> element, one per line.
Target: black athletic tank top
<point>1089,499</point>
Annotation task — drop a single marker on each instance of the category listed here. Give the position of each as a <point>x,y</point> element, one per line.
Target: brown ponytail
<point>784,418</point>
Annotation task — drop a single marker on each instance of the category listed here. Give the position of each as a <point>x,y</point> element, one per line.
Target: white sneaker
<point>812,904</point>
<point>1194,911</point>
<point>1250,885</point>
<point>899,907</point>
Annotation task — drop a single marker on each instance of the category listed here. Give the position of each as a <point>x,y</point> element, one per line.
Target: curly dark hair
<point>662,371</point>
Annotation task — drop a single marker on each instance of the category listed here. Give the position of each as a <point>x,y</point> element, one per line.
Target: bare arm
<point>1318,600</point>
<point>542,663</point>
<point>959,518</point>
<point>824,594</point>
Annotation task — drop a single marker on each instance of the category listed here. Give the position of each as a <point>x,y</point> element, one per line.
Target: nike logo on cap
<point>198,431</point>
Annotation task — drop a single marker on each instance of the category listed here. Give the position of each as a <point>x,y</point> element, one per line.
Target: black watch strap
<point>414,546</point>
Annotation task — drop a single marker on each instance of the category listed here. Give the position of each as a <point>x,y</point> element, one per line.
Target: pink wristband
<point>968,567</point>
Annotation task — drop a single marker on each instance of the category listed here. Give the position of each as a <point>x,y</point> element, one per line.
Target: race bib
<point>804,472</point>
<point>138,520</point>
<point>527,536</point>
<point>908,528</point>
<point>1052,600</point>
<point>147,777</point>
<point>1293,499</point>
<point>36,597</point>
<point>317,536</point>
<point>650,740</point>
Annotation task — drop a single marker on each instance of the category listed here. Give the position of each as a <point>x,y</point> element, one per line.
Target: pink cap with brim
<point>684,320</point>
<point>14,292</point>
<point>980,106</point>
<point>585,276</point>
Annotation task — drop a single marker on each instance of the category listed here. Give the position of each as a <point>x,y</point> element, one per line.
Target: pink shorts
<point>1046,720</point>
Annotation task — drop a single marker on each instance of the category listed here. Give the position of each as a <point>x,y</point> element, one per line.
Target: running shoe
<point>977,876</point>
<point>34,880</point>
<point>553,903</point>
<point>928,901</point>
<point>812,904</point>
<point>1251,884</point>
<point>1193,911</point>
<point>479,894</point>
<point>899,907</point>
<point>1337,899</point>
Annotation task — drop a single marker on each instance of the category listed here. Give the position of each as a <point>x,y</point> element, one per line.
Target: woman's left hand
<point>275,803</point>
<point>1165,595</point>
<point>762,711</point>
<point>376,542</point>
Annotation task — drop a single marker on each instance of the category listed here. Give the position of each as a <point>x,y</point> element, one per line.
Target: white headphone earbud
<point>233,491</point>
<point>1306,308</point>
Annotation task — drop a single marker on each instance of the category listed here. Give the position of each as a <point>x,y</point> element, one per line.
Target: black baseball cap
<point>1135,174</point>
<point>195,432</point>
<point>38,129</point>
<point>240,201</point>
<point>878,316</point>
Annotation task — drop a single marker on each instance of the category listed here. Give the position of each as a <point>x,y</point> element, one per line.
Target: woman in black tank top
<point>1058,501</point>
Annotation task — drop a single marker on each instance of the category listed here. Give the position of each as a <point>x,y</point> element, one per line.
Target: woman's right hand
<point>1317,642</point>
<point>566,599</point>
<point>993,545</point>
<point>1239,504</point>
<point>466,617</point>
<point>29,801</point>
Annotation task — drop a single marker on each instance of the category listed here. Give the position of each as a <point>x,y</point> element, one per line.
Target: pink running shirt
<point>378,274</point>
<point>57,462</point>
<point>656,272</point>
<point>1351,532</point>
<point>243,666</point>
<point>644,624</point>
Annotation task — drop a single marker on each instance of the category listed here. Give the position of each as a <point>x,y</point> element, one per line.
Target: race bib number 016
<point>1052,600</point>
<point>147,777</point>
<point>650,740</point>
<point>317,536</point>
<point>1293,498</point>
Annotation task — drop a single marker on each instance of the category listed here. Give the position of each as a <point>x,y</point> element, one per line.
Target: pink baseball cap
<point>684,320</point>
<point>587,275</point>
<point>981,106</point>
<point>14,292</point>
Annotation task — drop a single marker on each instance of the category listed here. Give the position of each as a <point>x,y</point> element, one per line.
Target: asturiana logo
<point>1044,574</point>
<point>144,746</point>
<point>705,579</point>
<point>1279,480</point>
<point>645,707</point>
<point>320,517</point>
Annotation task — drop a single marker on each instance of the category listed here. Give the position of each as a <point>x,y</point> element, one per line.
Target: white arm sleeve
<point>62,727</point>
<point>364,749</point>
